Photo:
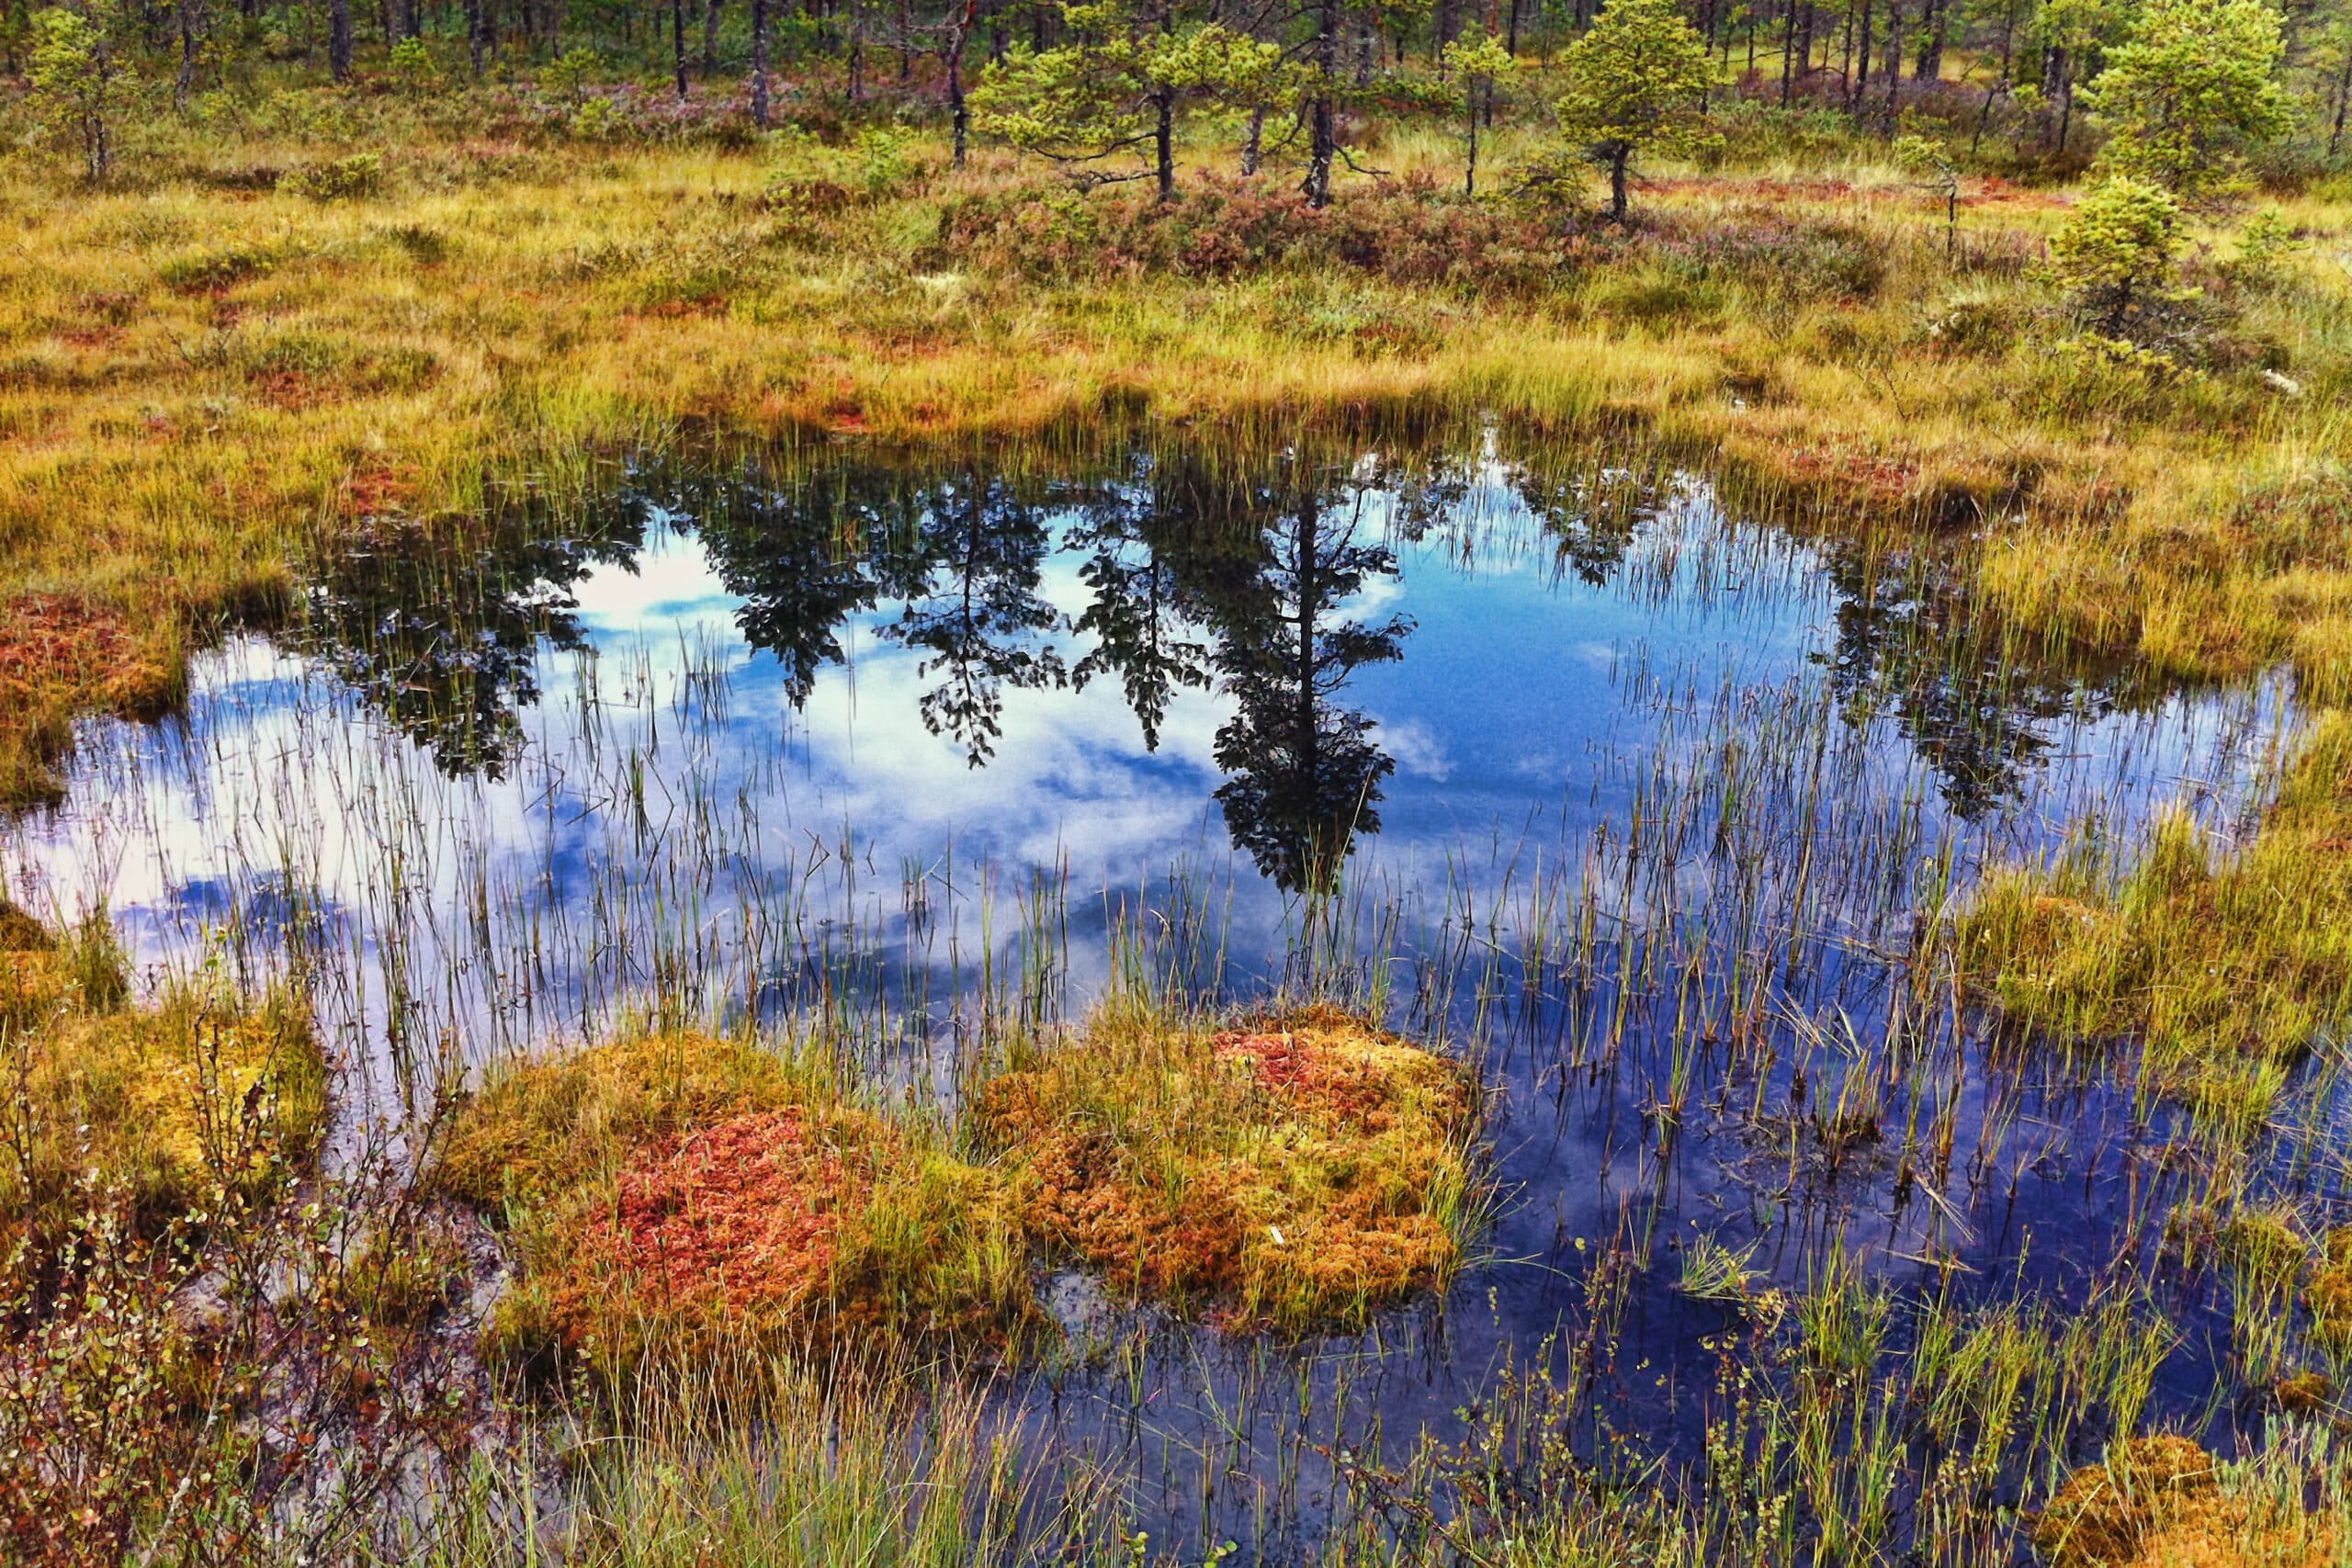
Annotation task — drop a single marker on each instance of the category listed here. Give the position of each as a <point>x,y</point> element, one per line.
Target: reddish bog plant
<point>689,1194</point>
<point>683,1192</point>
<point>1219,229</point>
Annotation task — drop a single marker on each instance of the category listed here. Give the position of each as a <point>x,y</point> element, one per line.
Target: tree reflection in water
<point>441,630</point>
<point>1197,573</point>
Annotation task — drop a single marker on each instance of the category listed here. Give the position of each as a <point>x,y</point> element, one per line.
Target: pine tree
<point>2194,90</point>
<point>1121,85</point>
<point>1638,82</point>
<point>74,70</point>
<point>1478,63</point>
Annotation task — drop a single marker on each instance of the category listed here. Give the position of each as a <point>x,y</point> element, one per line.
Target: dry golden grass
<point>196,380</point>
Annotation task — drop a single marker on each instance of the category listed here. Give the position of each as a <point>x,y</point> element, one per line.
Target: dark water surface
<point>1645,806</point>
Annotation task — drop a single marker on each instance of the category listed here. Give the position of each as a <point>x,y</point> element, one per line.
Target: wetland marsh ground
<point>796,842</point>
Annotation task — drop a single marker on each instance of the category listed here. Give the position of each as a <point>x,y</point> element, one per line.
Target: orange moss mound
<point>694,1192</point>
<point>2159,1502</point>
<point>2328,1294</point>
<point>1302,1169</point>
<point>2098,1517</point>
<point>697,1194</point>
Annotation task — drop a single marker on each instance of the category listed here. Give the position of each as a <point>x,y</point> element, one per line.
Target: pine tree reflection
<point>441,629</point>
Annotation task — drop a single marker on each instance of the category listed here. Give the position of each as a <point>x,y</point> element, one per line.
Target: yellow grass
<point>194,382</point>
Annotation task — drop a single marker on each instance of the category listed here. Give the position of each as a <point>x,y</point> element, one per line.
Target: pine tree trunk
<point>339,39</point>
<point>1929,66</point>
<point>1893,66</point>
<point>959,115</point>
<point>187,78</point>
<point>1858,79</point>
<point>1323,141</point>
<point>759,63</point>
<point>1163,141</point>
<point>2054,94</point>
<point>2343,97</point>
<point>1470,169</point>
<point>709,38</point>
<point>1788,52</point>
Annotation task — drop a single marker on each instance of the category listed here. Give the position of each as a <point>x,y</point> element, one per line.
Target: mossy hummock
<point>684,1191</point>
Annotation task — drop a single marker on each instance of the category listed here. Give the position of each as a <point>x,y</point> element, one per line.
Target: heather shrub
<point>1219,229</point>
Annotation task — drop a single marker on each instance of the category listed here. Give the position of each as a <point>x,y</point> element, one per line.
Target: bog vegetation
<point>2057,292</point>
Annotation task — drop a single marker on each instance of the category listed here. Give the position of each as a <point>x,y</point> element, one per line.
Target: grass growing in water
<point>2226,967</point>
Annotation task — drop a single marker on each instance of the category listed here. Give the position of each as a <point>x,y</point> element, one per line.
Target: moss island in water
<point>695,1191</point>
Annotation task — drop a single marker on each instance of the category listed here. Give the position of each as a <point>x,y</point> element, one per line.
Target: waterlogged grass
<point>1302,1168</point>
<point>2226,964</point>
<point>775,1461</point>
<point>202,374</point>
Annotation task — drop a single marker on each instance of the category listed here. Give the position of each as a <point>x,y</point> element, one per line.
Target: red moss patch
<point>739,1216</point>
<point>54,645</point>
<point>380,491</point>
<point>689,1194</point>
<point>1864,476</point>
<point>293,390</point>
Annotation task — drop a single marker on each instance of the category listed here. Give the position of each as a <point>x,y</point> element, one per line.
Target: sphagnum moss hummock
<point>686,1192</point>
<point>683,1192</point>
<point>1301,1168</point>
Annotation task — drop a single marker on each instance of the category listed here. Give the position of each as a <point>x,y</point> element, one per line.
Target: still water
<point>1552,759</point>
